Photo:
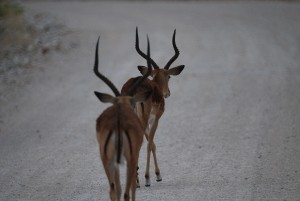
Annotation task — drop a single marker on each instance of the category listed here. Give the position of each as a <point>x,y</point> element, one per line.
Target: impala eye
<point>169,76</point>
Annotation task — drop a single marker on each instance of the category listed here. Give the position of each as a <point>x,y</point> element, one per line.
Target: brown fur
<point>152,109</point>
<point>121,120</point>
<point>154,105</point>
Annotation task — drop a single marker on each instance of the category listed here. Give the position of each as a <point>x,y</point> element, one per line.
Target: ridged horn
<point>133,87</point>
<point>167,66</point>
<point>102,77</point>
<point>137,47</point>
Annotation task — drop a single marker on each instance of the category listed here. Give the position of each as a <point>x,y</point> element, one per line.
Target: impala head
<point>160,75</point>
<point>128,98</point>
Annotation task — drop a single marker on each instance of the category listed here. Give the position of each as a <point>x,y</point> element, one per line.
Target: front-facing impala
<point>152,109</point>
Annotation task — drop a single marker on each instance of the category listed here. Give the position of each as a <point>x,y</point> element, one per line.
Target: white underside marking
<point>150,122</point>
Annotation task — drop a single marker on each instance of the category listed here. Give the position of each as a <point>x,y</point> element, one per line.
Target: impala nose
<point>167,94</point>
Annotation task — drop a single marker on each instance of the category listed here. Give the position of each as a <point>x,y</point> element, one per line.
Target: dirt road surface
<point>231,126</point>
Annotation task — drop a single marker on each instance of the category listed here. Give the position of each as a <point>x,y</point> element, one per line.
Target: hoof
<point>148,183</point>
<point>158,178</point>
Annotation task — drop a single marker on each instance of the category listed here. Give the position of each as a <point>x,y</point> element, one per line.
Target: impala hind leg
<point>117,184</point>
<point>133,185</point>
<point>130,180</point>
<point>109,170</point>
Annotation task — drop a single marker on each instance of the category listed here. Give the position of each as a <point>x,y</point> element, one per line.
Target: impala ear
<point>144,70</point>
<point>105,98</point>
<point>142,96</point>
<point>176,70</point>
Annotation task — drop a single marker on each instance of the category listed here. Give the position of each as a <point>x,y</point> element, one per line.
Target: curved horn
<point>133,87</point>
<point>102,77</point>
<point>148,52</point>
<point>167,66</point>
<point>137,47</point>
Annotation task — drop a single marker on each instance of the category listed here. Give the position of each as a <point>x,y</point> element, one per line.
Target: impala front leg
<point>151,147</point>
<point>137,178</point>
<point>147,175</point>
<point>157,171</point>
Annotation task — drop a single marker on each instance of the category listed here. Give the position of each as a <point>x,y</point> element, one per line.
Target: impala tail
<point>119,145</point>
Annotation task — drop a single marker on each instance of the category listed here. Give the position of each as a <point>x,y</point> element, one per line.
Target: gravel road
<point>231,126</point>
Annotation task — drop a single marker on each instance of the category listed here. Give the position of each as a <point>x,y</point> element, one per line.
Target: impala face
<point>162,76</point>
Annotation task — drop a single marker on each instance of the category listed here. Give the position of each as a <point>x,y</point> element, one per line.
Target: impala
<point>120,133</point>
<point>152,109</point>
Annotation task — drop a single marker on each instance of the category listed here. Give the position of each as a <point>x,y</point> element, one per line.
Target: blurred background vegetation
<point>11,23</point>
<point>8,8</point>
<point>15,34</point>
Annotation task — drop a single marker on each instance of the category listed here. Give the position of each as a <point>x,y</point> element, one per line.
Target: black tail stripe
<point>106,142</point>
<point>119,150</point>
<point>129,140</point>
<point>119,142</point>
<point>143,109</point>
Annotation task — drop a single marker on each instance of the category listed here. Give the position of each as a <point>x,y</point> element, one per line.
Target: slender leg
<point>133,183</point>
<point>157,171</point>
<point>137,178</point>
<point>109,170</point>
<point>149,149</point>
<point>147,175</point>
<point>117,183</point>
<point>131,168</point>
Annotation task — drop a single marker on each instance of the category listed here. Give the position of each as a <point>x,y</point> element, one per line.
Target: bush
<point>9,8</point>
